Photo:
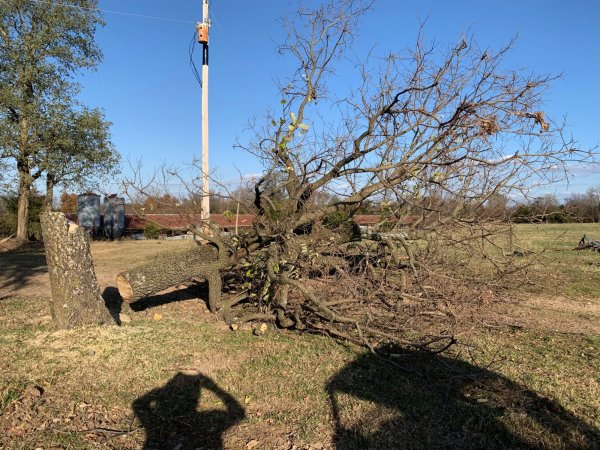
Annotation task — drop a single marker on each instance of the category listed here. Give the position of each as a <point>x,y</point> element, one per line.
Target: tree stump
<point>76,298</point>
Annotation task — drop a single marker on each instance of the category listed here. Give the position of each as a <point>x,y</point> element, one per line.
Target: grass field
<point>526,376</point>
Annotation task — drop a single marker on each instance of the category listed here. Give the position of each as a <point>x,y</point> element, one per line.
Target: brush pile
<point>585,244</point>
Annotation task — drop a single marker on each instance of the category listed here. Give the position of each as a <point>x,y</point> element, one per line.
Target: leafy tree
<point>43,44</point>
<point>164,204</point>
<point>68,203</point>
<point>76,150</point>
<point>523,214</point>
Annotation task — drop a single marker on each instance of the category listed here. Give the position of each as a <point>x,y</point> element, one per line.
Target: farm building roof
<point>367,219</point>
<point>182,221</point>
<point>134,222</point>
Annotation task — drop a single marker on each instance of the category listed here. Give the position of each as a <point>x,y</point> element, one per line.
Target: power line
<point>193,66</point>
<point>123,13</point>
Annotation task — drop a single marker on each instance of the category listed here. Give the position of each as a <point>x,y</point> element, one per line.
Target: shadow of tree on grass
<point>171,418</point>
<point>18,267</point>
<point>194,291</point>
<point>445,403</point>
<point>114,302</point>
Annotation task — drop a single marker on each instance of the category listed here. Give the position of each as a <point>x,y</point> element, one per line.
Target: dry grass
<point>562,271</point>
<point>528,377</point>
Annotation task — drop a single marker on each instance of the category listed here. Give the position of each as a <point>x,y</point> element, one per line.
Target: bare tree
<point>581,207</point>
<point>429,134</point>
<point>594,194</point>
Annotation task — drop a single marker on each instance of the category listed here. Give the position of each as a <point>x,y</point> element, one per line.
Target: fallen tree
<point>431,135</point>
<point>167,270</point>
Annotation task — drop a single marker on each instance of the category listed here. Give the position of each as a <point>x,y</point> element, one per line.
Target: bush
<point>152,230</point>
<point>336,219</point>
<point>8,224</point>
<point>557,217</point>
<point>522,214</point>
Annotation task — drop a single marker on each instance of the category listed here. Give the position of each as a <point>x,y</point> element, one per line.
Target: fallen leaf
<point>251,444</point>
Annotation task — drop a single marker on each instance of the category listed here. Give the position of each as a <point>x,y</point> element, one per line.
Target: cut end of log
<point>124,289</point>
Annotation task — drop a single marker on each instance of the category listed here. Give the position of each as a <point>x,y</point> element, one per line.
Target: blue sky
<point>148,91</point>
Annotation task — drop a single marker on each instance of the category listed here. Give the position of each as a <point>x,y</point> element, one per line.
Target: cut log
<point>6,239</point>
<point>76,298</point>
<point>168,270</point>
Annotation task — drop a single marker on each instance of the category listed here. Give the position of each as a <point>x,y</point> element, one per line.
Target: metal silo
<point>118,217</point>
<point>107,225</point>
<point>114,216</point>
<point>88,212</point>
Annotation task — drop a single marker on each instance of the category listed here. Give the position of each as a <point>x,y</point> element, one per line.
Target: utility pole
<point>203,39</point>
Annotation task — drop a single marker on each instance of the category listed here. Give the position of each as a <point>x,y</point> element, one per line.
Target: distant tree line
<point>576,208</point>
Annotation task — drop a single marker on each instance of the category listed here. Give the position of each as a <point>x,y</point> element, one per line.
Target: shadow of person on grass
<point>445,403</point>
<point>171,418</point>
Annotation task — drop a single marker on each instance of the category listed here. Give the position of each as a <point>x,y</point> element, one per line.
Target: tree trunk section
<point>168,270</point>
<point>76,298</point>
<point>49,198</point>
<point>23,207</point>
<point>25,182</point>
